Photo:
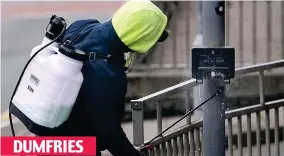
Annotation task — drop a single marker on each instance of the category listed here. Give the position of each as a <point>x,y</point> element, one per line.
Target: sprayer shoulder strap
<point>75,36</point>
<point>93,56</point>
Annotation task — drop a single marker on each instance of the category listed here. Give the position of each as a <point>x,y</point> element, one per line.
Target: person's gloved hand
<point>143,151</point>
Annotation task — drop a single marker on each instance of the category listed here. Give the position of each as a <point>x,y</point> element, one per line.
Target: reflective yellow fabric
<point>139,24</point>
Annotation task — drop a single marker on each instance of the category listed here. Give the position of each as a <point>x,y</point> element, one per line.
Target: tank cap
<point>73,53</point>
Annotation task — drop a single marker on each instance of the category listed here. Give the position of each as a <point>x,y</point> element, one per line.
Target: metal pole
<point>213,31</point>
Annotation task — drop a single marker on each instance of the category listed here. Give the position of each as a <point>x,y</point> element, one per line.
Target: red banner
<point>23,145</point>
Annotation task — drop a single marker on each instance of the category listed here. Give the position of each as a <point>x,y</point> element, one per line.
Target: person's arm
<point>104,110</point>
<point>108,130</point>
<point>119,144</point>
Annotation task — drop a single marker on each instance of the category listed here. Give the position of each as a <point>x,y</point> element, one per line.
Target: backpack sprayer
<point>49,83</point>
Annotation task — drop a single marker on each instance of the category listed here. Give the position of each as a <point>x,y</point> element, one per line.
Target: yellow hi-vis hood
<point>139,24</point>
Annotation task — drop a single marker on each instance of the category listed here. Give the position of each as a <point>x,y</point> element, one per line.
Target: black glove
<point>143,150</point>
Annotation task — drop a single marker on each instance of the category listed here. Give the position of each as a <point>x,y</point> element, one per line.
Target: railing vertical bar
<point>276,131</point>
<point>201,141</point>
<point>258,136</point>
<point>138,124</point>
<point>241,32</point>
<point>163,149</point>
<point>149,153</point>
<point>240,141</point>
<point>261,87</point>
<point>159,117</point>
<point>230,137</point>
<point>160,150</point>
<point>187,106</point>
<point>152,152</point>
<point>249,134</point>
<point>267,132</point>
<point>175,147</point>
<point>192,143</point>
<point>157,151</point>
<point>268,51</point>
<point>180,146</point>
<point>186,144</point>
<point>187,35</point>
<point>254,28</point>
<point>169,148</point>
<point>197,141</point>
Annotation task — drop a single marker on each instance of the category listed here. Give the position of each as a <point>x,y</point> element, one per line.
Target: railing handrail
<point>229,114</point>
<point>192,83</point>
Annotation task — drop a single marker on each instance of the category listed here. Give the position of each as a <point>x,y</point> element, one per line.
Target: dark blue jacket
<point>100,104</point>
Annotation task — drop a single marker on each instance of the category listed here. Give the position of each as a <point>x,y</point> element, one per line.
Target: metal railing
<point>188,139</point>
<point>254,28</point>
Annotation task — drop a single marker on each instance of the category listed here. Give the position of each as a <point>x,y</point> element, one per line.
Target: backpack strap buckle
<point>92,56</point>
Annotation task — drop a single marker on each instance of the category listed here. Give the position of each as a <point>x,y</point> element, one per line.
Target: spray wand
<point>147,146</point>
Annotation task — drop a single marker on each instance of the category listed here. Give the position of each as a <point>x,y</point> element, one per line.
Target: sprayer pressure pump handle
<point>55,27</point>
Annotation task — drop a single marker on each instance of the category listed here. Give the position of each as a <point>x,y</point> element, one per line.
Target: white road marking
<point>5,115</point>
<point>5,124</point>
<point>5,119</point>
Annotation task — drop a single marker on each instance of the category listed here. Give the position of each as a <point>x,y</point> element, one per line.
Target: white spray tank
<point>49,86</point>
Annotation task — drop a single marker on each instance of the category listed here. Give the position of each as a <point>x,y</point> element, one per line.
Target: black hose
<point>10,115</point>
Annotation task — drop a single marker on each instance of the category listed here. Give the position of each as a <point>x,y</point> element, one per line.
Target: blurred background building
<point>254,28</point>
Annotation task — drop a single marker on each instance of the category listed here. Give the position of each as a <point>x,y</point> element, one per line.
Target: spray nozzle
<point>50,21</point>
<point>52,17</point>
